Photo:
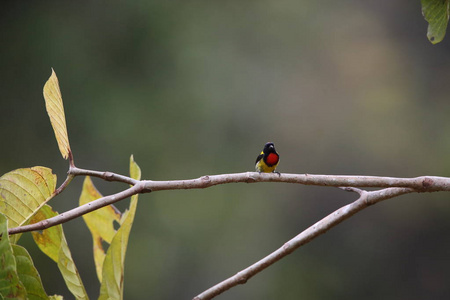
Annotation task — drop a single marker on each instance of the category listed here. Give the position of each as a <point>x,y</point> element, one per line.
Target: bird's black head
<point>269,148</point>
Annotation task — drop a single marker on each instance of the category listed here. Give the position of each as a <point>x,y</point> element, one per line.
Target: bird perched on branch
<point>268,160</point>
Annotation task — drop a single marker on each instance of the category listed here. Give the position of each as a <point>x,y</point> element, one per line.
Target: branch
<point>366,199</point>
<point>78,211</point>
<point>108,176</point>
<point>391,187</point>
<point>63,186</point>
<point>418,184</point>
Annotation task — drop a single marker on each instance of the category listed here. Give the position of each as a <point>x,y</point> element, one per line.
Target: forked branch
<point>390,187</point>
<point>417,184</point>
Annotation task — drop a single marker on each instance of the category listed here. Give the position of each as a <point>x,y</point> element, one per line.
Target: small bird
<point>268,160</point>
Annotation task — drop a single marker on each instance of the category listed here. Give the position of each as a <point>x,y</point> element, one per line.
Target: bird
<point>268,160</point>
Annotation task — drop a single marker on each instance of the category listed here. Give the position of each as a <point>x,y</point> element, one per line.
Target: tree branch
<point>78,211</point>
<point>417,184</point>
<point>390,187</point>
<point>366,199</point>
<point>63,186</point>
<point>108,176</point>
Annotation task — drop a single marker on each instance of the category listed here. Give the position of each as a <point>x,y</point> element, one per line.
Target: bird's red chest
<point>272,159</point>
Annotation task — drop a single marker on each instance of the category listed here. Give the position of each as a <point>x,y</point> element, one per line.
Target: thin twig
<point>63,186</point>
<point>108,176</point>
<point>366,199</point>
<point>352,189</point>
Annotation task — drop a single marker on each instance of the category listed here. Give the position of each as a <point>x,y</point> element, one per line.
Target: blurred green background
<point>197,87</point>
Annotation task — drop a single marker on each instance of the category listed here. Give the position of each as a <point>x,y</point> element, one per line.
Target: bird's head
<point>269,148</point>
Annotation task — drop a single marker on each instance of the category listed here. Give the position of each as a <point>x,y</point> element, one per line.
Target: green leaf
<point>28,274</point>
<point>10,285</point>
<point>55,110</point>
<point>436,13</point>
<point>23,192</point>
<point>113,266</point>
<point>53,243</point>
<point>100,222</point>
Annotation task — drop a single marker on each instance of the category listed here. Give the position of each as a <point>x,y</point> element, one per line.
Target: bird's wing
<point>259,157</point>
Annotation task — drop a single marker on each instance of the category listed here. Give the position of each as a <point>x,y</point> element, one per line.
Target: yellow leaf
<point>23,192</point>
<point>100,222</point>
<point>113,266</point>
<point>53,243</point>
<point>55,110</point>
<point>135,171</point>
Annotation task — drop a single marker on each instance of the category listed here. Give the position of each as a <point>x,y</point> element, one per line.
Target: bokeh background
<point>195,88</point>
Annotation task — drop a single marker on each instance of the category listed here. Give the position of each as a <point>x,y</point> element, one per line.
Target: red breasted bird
<point>268,160</point>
